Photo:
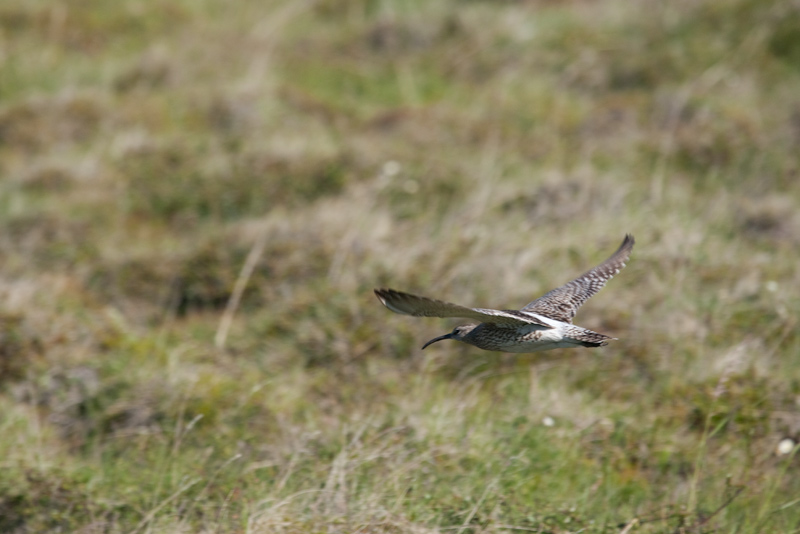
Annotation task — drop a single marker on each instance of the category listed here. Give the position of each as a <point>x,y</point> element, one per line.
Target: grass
<point>198,198</point>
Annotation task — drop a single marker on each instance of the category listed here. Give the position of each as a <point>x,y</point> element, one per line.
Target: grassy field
<point>198,197</point>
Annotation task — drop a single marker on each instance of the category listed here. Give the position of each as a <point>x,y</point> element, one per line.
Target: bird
<point>543,324</point>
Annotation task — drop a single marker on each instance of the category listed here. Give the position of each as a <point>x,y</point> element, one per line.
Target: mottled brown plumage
<point>545,323</point>
<point>562,303</point>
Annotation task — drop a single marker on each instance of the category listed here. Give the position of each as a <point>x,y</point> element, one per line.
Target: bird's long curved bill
<point>434,340</point>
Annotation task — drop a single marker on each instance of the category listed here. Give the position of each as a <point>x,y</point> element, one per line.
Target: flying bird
<point>544,324</point>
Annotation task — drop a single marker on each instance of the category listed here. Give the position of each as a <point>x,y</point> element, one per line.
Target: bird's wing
<point>562,303</point>
<point>407,304</point>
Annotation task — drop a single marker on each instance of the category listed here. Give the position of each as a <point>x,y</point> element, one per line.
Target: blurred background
<point>197,198</point>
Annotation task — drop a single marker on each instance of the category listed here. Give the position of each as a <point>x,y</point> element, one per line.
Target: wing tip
<point>384,294</point>
<point>624,249</point>
<point>628,241</point>
<point>394,300</point>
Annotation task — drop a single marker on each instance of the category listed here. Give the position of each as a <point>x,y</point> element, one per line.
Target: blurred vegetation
<point>473,150</point>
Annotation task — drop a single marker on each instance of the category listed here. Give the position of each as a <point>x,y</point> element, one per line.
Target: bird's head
<point>459,333</point>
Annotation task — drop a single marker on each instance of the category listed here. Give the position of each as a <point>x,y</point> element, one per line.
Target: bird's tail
<point>588,338</point>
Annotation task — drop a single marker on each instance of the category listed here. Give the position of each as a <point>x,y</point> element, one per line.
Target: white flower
<point>771,286</point>
<point>390,168</point>
<point>786,446</point>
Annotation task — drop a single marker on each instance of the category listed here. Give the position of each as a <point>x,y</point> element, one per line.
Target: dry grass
<point>483,152</point>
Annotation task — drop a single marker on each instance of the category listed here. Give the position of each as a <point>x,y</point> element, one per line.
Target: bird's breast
<point>522,338</point>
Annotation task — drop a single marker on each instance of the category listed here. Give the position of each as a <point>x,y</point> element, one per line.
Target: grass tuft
<point>200,197</point>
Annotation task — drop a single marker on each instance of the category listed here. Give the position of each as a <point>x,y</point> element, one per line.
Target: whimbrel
<point>544,324</point>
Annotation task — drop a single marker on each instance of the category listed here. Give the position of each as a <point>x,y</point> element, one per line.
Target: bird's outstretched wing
<point>562,303</point>
<point>407,304</point>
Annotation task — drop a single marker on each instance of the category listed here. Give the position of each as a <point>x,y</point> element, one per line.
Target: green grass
<point>477,151</point>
